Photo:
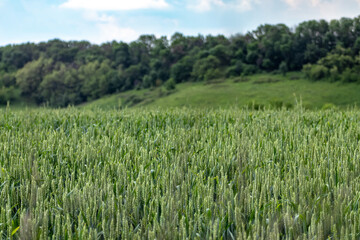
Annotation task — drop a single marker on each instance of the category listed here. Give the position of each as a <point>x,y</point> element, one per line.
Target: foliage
<point>350,76</point>
<point>235,70</point>
<point>249,69</point>
<point>283,68</point>
<point>7,79</point>
<point>338,65</point>
<point>317,72</point>
<point>181,71</point>
<point>30,76</point>
<point>8,94</point>
<point>170,84</point>
<point>205,67</point>
<point>85,71</point>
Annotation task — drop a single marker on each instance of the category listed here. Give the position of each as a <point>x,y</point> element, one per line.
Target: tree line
<point>71,72</point>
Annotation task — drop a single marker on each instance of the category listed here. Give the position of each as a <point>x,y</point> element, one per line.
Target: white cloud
<point>322,9</point>
<point>315,3</point>
<point>108,28</point>
<point>111,31</point>
<point>113,5</point>
<point>95,17</point>
<point>244,5</point>
<point>297,3</point>
<point>292,3</point>
<point>207,5</point>
<point>247,5</point>
<point>311,3</point>
<point>335,9</point>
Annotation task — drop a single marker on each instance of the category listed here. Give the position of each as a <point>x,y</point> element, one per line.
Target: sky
<point>100,21</point>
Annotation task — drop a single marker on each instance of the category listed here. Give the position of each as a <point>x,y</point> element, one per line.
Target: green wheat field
<point>179,174</point>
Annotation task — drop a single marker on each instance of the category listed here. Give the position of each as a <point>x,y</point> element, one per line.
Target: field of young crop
<point>179,174</point>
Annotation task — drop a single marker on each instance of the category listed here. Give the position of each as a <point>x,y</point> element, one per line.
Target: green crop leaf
<point>15,230</point>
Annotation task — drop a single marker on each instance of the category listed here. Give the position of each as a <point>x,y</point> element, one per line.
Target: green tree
<point>98,79</point>
<point>235,70</point>
<point>203,66</point>
<point>181,71</point>
<point>8,94</point>
<point>121,54</point>
<point>52,89</point>
<point>7,79</point>
<point>30,76</point>
<point>222,53</point>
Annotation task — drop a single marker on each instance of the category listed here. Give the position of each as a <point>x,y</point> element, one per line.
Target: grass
<point>179,174</point>
<point>260,90</point>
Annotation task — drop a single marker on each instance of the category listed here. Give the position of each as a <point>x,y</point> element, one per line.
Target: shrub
<point>212,74</point>
<point>267,64</point>
<point>349,76</point>
<point>147,81</point>
<point>8,94</point>
<point>307,70</point>
<point>318,72</point>
<point>249,69</point>
<point>234,70</point>
<point>283,68</point>
<point>170,84</point>
<point>328,106</point>
<point>334,74</point>
<point>204,65</point>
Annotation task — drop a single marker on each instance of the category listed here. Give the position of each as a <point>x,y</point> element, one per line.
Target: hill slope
<point>258,90</point>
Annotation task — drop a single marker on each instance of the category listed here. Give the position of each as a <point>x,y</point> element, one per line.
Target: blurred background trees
<point>61,73</point>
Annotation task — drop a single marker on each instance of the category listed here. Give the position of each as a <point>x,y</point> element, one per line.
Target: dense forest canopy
<point>61,73</point>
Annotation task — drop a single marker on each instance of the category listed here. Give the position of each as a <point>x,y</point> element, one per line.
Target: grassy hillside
<point>259,90</point>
